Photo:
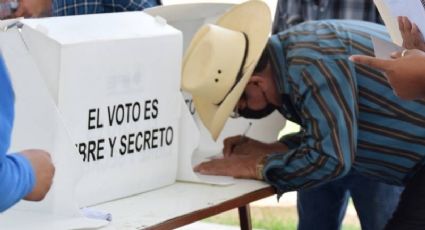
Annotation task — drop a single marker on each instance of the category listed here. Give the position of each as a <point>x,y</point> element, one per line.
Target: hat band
<point>240,73</point>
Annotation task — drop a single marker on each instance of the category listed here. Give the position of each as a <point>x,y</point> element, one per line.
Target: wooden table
<point>184,203</point>
<point>166,208</point>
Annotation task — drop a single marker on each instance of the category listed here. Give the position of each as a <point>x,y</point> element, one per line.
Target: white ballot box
<point>115,79</point>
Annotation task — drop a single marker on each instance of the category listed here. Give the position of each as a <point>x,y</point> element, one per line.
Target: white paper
<point>383,48</point>
<point>391,9</point>
<point>189,156</point>
<point>413,9</point>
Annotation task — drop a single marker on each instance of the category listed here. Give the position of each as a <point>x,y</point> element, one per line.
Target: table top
<point>169,207</point>
<point>181,203</point>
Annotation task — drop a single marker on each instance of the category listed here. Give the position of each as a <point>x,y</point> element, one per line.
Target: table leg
<point>245,217</point>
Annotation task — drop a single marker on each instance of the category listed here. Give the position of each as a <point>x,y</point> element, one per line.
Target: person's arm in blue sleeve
<point>16,179</point>
<point>329,110</point>
<point>27,174</point>
<point>16,175</point>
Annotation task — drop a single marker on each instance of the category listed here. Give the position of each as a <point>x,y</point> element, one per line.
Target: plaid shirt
<point>349,115</point>
<point>292,12</point>
<point>77,7</point>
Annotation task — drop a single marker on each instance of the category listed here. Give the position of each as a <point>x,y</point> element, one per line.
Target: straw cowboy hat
<point>221,59</point>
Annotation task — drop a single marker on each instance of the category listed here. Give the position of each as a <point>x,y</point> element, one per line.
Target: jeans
<point>323,207</point>
<point>410,213</point>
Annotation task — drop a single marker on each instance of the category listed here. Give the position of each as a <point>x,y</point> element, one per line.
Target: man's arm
<point>292,140</point>
<point>241,158</point>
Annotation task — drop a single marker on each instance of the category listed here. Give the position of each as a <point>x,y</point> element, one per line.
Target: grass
<point>270,218</point>
<point>274,218</point>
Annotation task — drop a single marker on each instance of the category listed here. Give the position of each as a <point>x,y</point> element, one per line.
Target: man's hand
<point>405,74</point>
<point>33,8</point>
<point>241,157</point>
<point>412,36</point>
<point>238,166</point>
<point>44,171</point>
<point>239,145</point>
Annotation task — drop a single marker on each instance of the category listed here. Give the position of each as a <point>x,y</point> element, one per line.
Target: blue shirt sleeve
<point>16,180</point>
<point>328,103</point>
<point>16,173</point>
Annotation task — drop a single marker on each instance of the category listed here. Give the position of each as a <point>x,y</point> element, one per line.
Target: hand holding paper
<point>391,9</point>
<point>412,36</point>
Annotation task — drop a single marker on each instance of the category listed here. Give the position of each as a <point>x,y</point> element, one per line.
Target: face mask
<point>257,114</point>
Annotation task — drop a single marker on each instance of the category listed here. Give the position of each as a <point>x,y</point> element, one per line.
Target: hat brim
<point>215,117</point>
<point>254,19</point>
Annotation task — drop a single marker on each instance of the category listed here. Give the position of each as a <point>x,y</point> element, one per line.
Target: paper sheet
<point>391,9</point>
<point>413,9</point>
<point>190,156</point>
<point>384,48</point>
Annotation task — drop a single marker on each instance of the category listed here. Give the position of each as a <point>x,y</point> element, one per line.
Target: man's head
<point>260,96</point>
<point>221,59</point>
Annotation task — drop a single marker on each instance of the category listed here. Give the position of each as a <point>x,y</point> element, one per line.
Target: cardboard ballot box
<point>115,79</point>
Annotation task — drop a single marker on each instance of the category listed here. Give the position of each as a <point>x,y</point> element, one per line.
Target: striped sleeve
<point>292,140</point>
<point>329,108</point>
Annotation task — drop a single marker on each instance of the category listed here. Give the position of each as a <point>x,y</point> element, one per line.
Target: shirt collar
<point>278,62</point>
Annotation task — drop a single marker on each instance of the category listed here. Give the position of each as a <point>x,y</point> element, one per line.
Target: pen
<point>243,136</point>
<point>241,140</point>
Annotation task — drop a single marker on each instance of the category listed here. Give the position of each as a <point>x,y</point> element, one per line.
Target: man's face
<point>253,97</point>
<point>254,102</point>
<point>260,97</point>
